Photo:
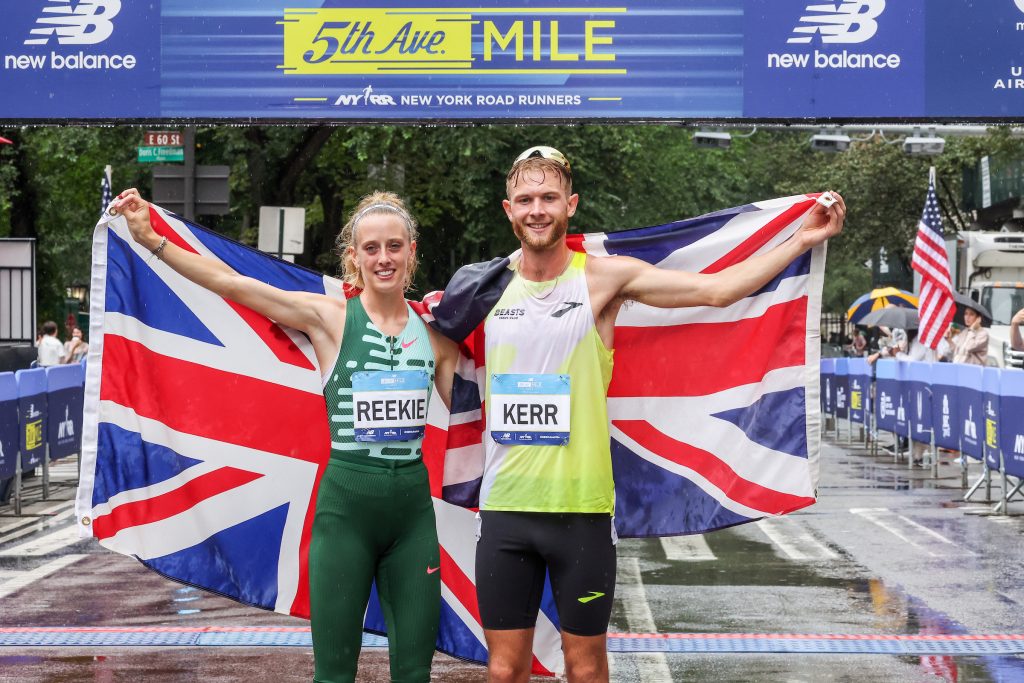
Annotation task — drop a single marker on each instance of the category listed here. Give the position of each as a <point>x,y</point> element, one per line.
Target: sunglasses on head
<point>545,152</point>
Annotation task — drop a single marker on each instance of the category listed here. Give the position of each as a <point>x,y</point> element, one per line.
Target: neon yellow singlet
<point>548,328</point>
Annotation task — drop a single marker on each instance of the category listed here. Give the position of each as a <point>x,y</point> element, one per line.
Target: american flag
<point>105,194</point>
<point>206,434</point>
<point>936,305</point>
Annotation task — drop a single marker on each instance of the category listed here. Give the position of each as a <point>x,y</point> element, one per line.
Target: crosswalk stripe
<point>794,540</point>
<point>44,545</point>
<point>917,535</point>
<point>24,579</point>
<point>629,589</point>
<point>687,548</point>
<point>41,524</point>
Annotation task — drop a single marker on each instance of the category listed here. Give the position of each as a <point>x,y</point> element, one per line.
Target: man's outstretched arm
<point>662,288</point>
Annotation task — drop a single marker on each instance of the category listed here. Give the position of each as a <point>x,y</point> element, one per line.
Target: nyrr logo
<point>846,22</point>
<point>366,98</point>
<point>86,23</point>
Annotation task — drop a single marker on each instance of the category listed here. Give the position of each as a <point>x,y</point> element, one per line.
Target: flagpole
<point>107,171</point>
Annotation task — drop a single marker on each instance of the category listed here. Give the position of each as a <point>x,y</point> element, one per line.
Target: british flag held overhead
<point>206,431</point>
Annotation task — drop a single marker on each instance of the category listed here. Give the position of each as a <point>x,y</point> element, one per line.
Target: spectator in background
<point>895,343</point>
<point>75,348</point>
<point>1016,341</point>
<point>858,346</point>
<point>51,351</point>
<point>971,345</point>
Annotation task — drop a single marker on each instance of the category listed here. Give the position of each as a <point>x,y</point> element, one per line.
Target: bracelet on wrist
<point>159,248</point>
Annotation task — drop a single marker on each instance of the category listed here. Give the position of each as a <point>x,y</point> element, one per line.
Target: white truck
<point>989,267</point>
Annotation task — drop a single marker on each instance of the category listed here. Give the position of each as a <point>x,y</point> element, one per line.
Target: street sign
<point>210,194</point>
<point>282,230</point>
<point>163,138</point>
<point>161,154</point>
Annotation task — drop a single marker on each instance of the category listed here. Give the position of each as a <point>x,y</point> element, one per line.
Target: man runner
<point>547,495</point>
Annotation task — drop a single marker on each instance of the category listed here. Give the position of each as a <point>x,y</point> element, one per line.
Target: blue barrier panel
<point>990,384</point>
<point>887,394</point>
<point>859,381</point>
<point>919,377</point>
<point>65,396</point>
<point>1011,430</point>
<point>946,406</point>
<point>32,414</point>
<point>841,393</point>
<point>828,370</point>
<point>972,409</point>
<point>8,425</point>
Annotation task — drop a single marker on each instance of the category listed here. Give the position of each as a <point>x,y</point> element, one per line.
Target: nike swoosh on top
<point>431,570</point>
<point>407,344</point>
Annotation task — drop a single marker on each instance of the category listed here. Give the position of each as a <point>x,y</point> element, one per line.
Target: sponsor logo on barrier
<point>846,23</point>
<point>33,435</point>
<point>1018,445</point>
<point>1020,6</point>
<point>947,428</point>
<point>88,22</point>
<point>991,432</point>
<point>885,407</point>
<point>856,399</point>
<point>841,398</point>
<point>66,427</point>
<point>901,412</point>
<point>970,429</point>
<point>425,41</point>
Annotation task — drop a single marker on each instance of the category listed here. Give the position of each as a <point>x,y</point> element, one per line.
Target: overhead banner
<point>642,60</point>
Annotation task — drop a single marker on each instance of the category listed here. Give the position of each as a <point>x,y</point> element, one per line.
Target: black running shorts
<point>516,548</point>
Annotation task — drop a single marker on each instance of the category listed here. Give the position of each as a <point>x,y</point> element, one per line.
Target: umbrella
<point>5,141</point>
<point>892,316</point>
<point>879,298</point>
<point>963,301</point>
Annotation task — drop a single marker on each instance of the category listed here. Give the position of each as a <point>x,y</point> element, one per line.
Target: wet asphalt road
<point>885,551</point>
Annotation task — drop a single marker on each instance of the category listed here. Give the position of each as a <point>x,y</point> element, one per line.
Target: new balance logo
<point>569,305</point>
<point>85,23</point>
<point>844,22</point>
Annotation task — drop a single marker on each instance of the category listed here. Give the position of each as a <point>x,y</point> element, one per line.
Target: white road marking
<point>25,579</point>
<point>914,534</point>
<point>44,523</point>
<point>687,548</point>
<point>28,512</point>
<point>652,666</point>
<point>794,540</point>
<point>44,545</point>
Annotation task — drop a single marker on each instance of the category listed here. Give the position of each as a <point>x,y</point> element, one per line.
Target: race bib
<point>529,409</point>
<point>390,405</point>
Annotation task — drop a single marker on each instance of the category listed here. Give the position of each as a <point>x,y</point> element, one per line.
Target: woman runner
<point>374,515</point>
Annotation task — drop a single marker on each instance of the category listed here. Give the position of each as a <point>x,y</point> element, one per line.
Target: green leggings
<point>374,522</point>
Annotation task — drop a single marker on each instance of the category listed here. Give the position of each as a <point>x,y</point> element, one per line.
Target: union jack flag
<point>205,430</point>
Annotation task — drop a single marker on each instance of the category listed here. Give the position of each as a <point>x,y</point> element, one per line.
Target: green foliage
<point>453,178</point>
